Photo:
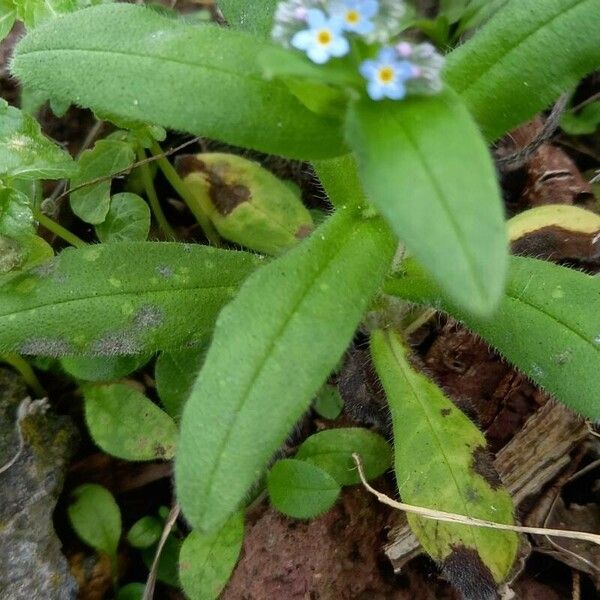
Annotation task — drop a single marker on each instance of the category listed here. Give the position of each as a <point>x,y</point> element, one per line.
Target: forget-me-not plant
<point>326,29</point>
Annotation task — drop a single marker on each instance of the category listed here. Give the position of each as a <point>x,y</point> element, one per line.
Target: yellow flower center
<point>353,17</point>
<point>324,37</point>
<point>386,74</point>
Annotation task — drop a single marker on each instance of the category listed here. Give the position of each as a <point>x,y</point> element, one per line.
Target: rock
<point>35,447</point>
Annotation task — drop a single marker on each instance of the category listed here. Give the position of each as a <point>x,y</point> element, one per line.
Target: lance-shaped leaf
<point>524,58</point>
<point>203,79</point>
<point>548,325</point>
<point>273,347</point>
<point>121,298</point>
<point>441,463</point>
<point>255,17</point>
<point>8,14</point>
<point>341,181</point>
<point>25,152</point>
<point>425,166</point>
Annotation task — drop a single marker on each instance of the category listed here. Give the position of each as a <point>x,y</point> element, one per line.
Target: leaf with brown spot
<point>441,463</point>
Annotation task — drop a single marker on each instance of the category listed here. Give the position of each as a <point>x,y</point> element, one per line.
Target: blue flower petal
<point>339,47</point>
<point>375,91</point>
<point>318,54</point>
<point>404,69</point>
<point>364,27</point>
<point>316,18</point>
<point>387,55</point>
<point>368,69</point>
<point>396,90</point>
<point>303,39</point>
<point>369,8</point>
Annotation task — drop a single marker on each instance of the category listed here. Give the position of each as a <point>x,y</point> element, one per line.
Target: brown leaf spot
<point>188,163</point>
<point>445,411</point>
<point>483,465</point>
<point>466,571</point>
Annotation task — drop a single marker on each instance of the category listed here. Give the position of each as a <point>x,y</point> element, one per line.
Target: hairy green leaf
<point>91,202</point>
<point>86,57</point>
<point>583,123</point>
<point>16,218</point>
<point>25,152</point>
<point>328,402</point>
<point>426,168</point>
<point>127,220</point>
<point>300,489</point>
<point>126,424</point>
<point>441,462</point>
<point>8,15</point>
<point>96,518</point>
<point>175,374</point>
<point>145,532</point>
<point>332,450</point>
<point>102,368</point>
<point>547,325</point>
<point>273,347</point>
<point>523,59</point>
<point>255,17</point>
<point>341,181</point>
<point>119,299</point>
<point>206,561</point>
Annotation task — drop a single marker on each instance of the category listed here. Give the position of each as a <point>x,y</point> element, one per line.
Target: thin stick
<point>126,170</point>
<point>438,515</point>
<point>188,197</point>
<point>157,210</point>
<point>57,229</point>
<point>169,523</point>
<point>576,585</point>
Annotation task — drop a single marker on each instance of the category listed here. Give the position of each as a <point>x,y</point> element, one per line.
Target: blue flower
<point>386,75</point>
<point>356,14</point>
<point>323,39</point>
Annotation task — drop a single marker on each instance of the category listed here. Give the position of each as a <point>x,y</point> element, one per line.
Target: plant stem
<point>57,229</point>
<point>157,210</point>
<point>24,368</point>
<point>188,197</point>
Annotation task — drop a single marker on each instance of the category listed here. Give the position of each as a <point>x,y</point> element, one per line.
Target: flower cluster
<point>323,29</point>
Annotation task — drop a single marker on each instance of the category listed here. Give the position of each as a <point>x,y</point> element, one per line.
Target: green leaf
<point>340,178</point>
<point>207,561</point>
<point>25,152</point>
<point>301,309</point>
<point>16,218</point>
<point>254,17</point>
<point>102,368</point>
<point>145,532</point>
<point>441,463</point>
<point>583,123</point>
<point>96,518</point>
<point>426,168</point>
<point>547,325</point>
<point>119,299</point>
<point>175,373</point>
<point>329,402</point>
<point>126,424</point>
<point>131,591</point>
<point>519,62</point>
<point>91,203</point>
<point>301,490</point>
<point>331,450</point>
<point>168,563</point>
<point>127,220</point>
<point>88,55</point>
<point>8,15</point>
<point>34,12</point>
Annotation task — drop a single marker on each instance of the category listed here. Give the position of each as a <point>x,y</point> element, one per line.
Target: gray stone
<point>35,448</point>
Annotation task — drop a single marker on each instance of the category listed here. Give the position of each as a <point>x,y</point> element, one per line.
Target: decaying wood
<point>533,458</point>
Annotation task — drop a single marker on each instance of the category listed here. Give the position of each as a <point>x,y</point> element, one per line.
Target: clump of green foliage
<point>246,339</point>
